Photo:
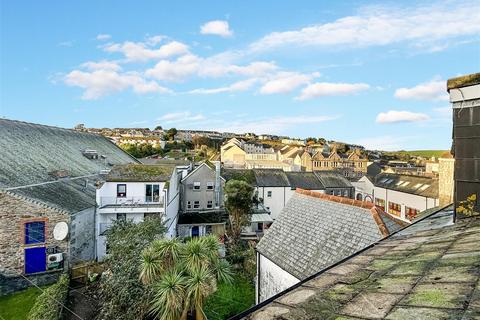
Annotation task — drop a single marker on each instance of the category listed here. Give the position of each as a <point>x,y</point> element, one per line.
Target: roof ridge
<point>332,198</point>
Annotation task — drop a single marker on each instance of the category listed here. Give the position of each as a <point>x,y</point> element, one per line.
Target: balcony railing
<point>130,201</point>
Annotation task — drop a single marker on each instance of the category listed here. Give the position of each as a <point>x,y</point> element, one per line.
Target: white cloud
<point>285,82</point>
<point>101,65</point>
<point>385,143</point>
<point>176,117</point>
<point>394,116</point>
<point>217,27</point>
<point>376,26</point>
<point>273,125</point>
<point>211,67</point>
<point>434,90</point>
<point>238,86</point>
<point>444,111</point>
<point>139,51</point>
<point>100,83</point>
<point>320,89</point>
<point>177,70</point>
<point>103,37</point>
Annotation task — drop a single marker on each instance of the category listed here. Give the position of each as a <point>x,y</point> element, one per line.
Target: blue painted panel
<point>35,259</point>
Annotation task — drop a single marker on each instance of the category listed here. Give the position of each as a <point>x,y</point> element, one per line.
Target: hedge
<point>49,305</point>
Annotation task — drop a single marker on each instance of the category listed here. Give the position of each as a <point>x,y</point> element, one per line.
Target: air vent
<point>90,154</point>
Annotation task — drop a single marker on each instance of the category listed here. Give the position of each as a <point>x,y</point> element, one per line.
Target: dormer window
<point>121,190</point>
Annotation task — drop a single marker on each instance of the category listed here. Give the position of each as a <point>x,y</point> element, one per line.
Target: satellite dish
<point>60,231</point>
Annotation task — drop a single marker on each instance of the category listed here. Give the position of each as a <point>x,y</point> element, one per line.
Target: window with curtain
<point>152,193</point>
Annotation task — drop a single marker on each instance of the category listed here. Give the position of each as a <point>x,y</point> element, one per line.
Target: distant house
<point>136,192</point>
<point>401,195</point>
<point>351,165</point>
<point>202,209</point>
<point>313,231</point>
<point>47,199</point>
<point>275,186</point>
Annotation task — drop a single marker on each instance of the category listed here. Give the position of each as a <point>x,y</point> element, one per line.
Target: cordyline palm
<point>183,275</point>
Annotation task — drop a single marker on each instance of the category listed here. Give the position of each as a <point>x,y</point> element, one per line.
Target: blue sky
<point>362,72</point>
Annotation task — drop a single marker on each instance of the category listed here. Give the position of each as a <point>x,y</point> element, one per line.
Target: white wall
<point>271,279</point>
<point>173,203</point>
<point>280,197</point>
<point>134,190</point>
<point>405,200</point>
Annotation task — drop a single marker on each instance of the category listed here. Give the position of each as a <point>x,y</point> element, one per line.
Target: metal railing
<point>131,201</point>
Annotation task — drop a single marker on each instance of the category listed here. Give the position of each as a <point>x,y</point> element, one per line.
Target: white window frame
<point>197,185</point>
<point>189,204</point>
<point>269,194</point>
<point>196,204</point>
<point>210,186</point>
<point>209,204</point>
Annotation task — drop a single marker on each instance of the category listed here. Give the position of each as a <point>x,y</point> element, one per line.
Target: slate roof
<point>279,178</point>
<point>271,178</point>
<point>304,180</point>
<point>72,195</point>
<point>316,230</point>
<point>422,186</point>
<point>333,180</point>
<point>35,156</point>
<point>31,151</point>
<point>140,173</point>
<point>429,270</point>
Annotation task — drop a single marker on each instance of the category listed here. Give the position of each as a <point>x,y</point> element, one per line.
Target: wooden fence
<point>79,273</point>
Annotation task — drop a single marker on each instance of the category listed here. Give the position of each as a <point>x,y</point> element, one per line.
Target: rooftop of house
<point>207,217</point>
<point>140,173</point>
<point>315,230</point>
<point>333,179</point>
<point>463,81</point>
<point>418,185</point>
<point>318,180</point>
<point>47,164</point>
<point>304,180</point>
<point>271,178</point>
<point>31,152</point>
<point>429,270</point>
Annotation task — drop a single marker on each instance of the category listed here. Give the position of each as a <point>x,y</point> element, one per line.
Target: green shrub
<point>48,305</point>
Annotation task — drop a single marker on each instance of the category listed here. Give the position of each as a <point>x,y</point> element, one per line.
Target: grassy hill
<point>419,153</point>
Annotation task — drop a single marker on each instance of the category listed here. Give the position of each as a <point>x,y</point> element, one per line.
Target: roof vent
<point>90,154</point>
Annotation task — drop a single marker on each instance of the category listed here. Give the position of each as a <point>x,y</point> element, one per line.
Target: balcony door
<point>152,193</point>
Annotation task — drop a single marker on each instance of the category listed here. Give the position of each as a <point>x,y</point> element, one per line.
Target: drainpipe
<point>218,186</point>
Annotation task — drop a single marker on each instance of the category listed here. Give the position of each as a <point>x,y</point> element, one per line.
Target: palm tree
<point>183,275</point>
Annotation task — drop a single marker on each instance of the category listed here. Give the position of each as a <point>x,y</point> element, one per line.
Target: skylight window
<point>399,182</point>
<point>406,183</point>
<point>418,185</point>
<point>425,186</point>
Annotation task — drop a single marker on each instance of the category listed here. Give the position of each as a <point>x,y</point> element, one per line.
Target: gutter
<point>295,286</point>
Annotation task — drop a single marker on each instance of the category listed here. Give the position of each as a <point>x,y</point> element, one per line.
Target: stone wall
<point>446,168</point>
<point>14,213</point>
<point>11,284</point>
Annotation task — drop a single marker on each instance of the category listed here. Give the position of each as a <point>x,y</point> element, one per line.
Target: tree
<point>121,295</point>
<point>158,128</point>
<point>170,134</point>
<point>239,203</point>
<point>182,275</point>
